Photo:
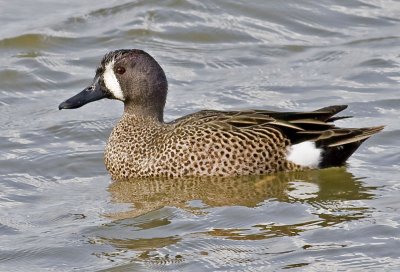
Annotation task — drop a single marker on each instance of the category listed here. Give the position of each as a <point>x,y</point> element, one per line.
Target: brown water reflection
<point>330,192</point>
<point>316,187</point>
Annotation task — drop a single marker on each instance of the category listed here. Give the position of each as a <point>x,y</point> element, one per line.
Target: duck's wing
<point>316,126</point>
<point>289,123</point>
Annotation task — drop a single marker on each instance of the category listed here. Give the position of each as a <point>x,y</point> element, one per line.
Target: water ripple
<point>57,210</point>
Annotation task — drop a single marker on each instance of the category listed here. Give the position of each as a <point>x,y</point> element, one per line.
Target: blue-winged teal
<point>224,143</point>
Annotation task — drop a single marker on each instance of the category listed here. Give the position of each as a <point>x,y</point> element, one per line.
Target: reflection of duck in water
<point>309,186</point>
<point>207,143</point>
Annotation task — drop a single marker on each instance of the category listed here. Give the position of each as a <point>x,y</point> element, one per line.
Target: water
<point>59,210</point>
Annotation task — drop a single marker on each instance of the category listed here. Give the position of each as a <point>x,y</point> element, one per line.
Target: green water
<point>59,209</point>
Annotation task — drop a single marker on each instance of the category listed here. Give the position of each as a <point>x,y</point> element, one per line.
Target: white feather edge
<point>111,81</point>
<point>305,154</point>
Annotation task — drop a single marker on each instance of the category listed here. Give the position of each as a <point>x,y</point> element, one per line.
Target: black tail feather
<point>335,118</point>
<point>338,155</point>
<point>339,146</point>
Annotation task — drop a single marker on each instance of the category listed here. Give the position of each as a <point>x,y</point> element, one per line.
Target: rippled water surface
<point>59,209</point>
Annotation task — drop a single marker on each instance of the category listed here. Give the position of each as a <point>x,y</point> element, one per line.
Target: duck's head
<point>129,75</point>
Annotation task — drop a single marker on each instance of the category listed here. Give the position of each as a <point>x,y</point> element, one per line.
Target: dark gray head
<point>129,75</point>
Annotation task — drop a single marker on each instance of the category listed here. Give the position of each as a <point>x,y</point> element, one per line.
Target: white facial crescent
<point>111,81</point>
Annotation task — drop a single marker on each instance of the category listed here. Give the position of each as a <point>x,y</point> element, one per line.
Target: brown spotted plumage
<point>205,143</point>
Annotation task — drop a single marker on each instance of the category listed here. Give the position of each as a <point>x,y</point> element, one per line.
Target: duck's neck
<point>147,112</point>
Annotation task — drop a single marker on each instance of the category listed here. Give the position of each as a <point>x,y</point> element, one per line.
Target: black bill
<point>90,94</point>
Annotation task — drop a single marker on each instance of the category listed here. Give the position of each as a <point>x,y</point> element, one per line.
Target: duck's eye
<point>120,70</point>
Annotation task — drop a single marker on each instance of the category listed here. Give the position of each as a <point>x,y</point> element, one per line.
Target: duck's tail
<point>338,144</point>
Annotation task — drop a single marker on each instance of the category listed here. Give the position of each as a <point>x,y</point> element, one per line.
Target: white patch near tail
<point>305,154</point>
<point>111,81</point>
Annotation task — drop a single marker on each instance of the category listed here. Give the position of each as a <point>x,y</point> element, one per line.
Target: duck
<point>208,142</point>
